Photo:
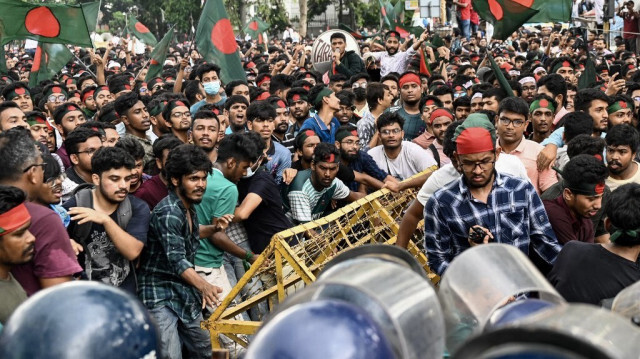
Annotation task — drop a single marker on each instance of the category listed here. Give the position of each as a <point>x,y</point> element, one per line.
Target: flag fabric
<point>425,67</point>
<point>255,27</point>
<point>216,41</point>
<point>91,11</point>
<point>550,11</point>
<point>588,76</point>
<point>159,55</point>
<point>506,16</point>
<point>356,34</point>
<point>48,60</point>
<point>386,10</point>
<point>137,29</point>
<point>3,62</point>
<point>48,23</point>
<point>500,76</point>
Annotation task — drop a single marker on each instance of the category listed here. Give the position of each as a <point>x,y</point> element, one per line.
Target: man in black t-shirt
<point>590,273</point>
<point>116,236</point>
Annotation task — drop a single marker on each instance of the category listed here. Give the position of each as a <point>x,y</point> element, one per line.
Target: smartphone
<point>614,69</point>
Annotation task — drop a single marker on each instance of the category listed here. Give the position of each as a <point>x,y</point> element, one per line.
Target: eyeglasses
<point>351,143</point>
<point>34,165</point>
<point>636,99</point>
<point>90,151</point>
<point>58,98</point>
<point>181,114</point>
<point>359,85</point>
<point>516,123</point>
<point>143,90</point>
<point>395,131</point>
<point>471,166</point>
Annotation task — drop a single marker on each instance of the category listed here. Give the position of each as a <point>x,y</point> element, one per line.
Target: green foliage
<point>317,7</point>
<point>180,13</point>
<point>117,22</point>
<point>368,15</point>
<point>274,12</point>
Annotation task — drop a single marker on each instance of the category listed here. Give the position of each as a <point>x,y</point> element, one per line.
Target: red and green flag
<point>137,29</point>
<point>216,41</point>
<point>255,28</point>
<point>549,11</point>
<point>48,60</point>
<point>588,77</point>
<point>50,23</point>
<point>159,55</point>
<point>506,16</point>
<point>425,66</point>
<point>504,84</point>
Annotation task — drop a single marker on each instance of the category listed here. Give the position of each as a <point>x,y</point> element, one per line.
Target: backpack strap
<point>84,198</point>
<point>124,213</point>
<point>436,155</point>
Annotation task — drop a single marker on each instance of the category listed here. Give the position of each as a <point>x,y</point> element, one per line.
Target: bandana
<point>295,98</point>
<point>76,94</point>
<point>476,95</point>
<point>604,72</point>
<point>56,90</point>
<point>70,81</point>
<point>330,158</point>
<point>17,92</point>
<point>155,81</point>
<point>37,118</point>
<point>524,80</point>
<point>408,78</point>
<point>122,87</point>
<point>619,105</point>
<point>587,189</point>
<point>392,33</point>
<point>101,89</point>
<point>322,94</point>
<point>13,219</point>
<point>302,136</point>
<point>633,233</point>
<point>263,96</point>
<point>175,103</point>
<point>514,73</point>
<point>87,95</point>
<point>68,107</point>
<point>251,65</point>
<point>541,103</point>
<point>561,64</point>
<point>342,134</point>
<point>157,110</point>
<point>262,80</point>
<point>440,112</point>
<point>476,134</point>
<point>538,70</point>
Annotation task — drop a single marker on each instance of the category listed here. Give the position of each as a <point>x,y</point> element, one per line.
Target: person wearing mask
<point>209,77</point>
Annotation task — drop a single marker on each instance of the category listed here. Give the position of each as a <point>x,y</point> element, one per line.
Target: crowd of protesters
<point>169,188</point>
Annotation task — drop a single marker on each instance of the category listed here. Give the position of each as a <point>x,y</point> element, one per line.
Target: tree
<point>302,29</point>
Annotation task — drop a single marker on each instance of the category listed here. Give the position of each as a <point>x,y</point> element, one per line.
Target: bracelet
<point>249,255</point>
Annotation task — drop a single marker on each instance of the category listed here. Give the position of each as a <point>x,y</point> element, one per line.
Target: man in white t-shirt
<point>401,159</point>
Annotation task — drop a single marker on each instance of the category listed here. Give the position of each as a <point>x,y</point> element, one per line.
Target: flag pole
<point>142,68</point>
<point>83,64</point>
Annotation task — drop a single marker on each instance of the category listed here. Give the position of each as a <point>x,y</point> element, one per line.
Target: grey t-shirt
<point>11,296</point>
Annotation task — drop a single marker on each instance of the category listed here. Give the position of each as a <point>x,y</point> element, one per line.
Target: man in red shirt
<point>464,11</point>
<point>630,28</point>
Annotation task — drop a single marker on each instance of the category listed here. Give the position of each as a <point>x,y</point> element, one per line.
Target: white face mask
<point>250,173</point>
<point>121,129</point>
<point>211,87</point>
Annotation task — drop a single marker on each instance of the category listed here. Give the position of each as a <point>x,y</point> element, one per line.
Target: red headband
<point>407,78</point>
<point>263,96</point>
<point>13,219</point>
<point>474,140</point>
<point>281,104</point>
<point>440,112</point>
<point>266,78</point>
<point>87,94</point>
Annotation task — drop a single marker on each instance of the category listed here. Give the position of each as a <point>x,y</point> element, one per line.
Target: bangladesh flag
<point>386,10</point>
<point>255,27</point>
<point>159,55</point>
<point>425,67</point>
<point>48,61</point>
<point>216,41</point>
<point>506,16</point>
<point>588,76</point>
<point>137,29</point>
<point>48,23</point>
<point>549,11</point>
<point>500,76</point>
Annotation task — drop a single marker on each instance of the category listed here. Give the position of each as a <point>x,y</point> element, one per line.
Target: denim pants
<point>465,27</point>
<point>174,332</point>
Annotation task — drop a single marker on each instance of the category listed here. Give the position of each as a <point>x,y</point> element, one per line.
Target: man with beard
<point>359,161</point>
<point>583,188</point>
<point>344,62</point>
<point>359,83</point>
<point>168,284</point>
<point>391,81</point>
<point>82,144</point>
<point>541,112</point>
<point>622,145</point>
<point>439,121</point>
<point>515,216</point>
<point>155,189</point>
<point>20,94</point>
<point>176,114</point>
<point>311,192</point>
<point>298,100</point>
<point>102,96</point>
<point>393,60</point>
<point>11,116</point>
<point>67,118</point>
<point>54,95</point>
<point>261,116</point>
<point>529,88</point>
<point>564,67</point>
<point>620,110</point>
<point>410,93</point>
<point>98,220</point>
<point>17,246</point>
<point>135,150</point>
<point>400,159</point>
<point>204,132</point>
<point>380,99</point>
<point>236,108</point>
<point>281,124</point>
<point>135,116</point>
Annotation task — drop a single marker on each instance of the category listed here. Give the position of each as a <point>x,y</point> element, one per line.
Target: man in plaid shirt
<point>169,285</point>
<point>500,208</point>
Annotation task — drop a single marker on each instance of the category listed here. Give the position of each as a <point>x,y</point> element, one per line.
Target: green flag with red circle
<point>506,16</point>
<point>48,60</point>
<point>137,29</point>
<point>256,27</point>
<point>49,23</point>
<point>216,41</point>
<point>159,55</point>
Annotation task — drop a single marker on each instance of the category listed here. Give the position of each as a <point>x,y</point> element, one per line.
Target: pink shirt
<point>425,140</point>
<point>563,111</point>
<point>527,151</point>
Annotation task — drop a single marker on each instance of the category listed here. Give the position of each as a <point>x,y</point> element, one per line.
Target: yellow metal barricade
<point>282,267</point>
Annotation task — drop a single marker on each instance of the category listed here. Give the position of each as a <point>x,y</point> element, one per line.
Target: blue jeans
<point>174,332</point>
<point>465,27</point>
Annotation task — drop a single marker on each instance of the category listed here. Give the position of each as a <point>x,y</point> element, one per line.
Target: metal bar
<point>279,281</point>
<point>298,265</point>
